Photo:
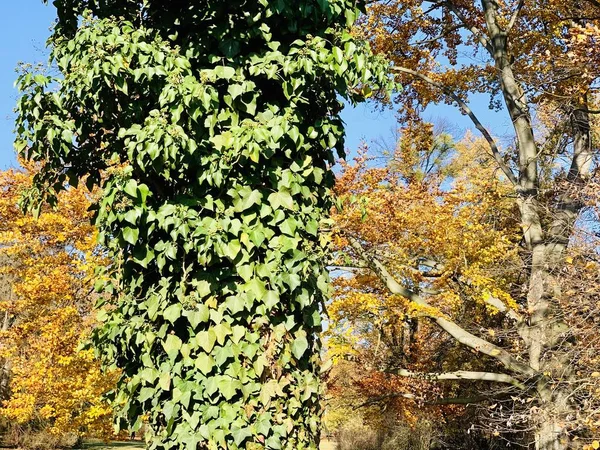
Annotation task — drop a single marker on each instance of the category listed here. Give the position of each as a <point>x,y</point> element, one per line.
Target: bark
<point>6,292</point>
<point>462,375</point>
<point>550,436</point>
<point>546,245</point>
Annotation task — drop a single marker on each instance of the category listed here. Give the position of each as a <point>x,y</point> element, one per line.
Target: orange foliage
<point>447,234</point>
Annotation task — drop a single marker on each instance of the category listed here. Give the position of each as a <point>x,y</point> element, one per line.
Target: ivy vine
<point>210,127</point>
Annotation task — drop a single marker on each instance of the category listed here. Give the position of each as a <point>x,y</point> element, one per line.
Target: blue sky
<point>24,27</point>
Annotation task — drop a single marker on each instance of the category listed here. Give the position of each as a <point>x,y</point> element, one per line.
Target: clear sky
<point>24,27</point>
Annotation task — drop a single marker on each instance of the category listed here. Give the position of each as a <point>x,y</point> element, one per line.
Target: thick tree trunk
<point>550,436</point>
<point>546,241</point>
<point>547,325</point>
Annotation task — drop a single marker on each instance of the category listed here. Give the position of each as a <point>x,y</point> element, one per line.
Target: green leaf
<point>131,188</point>
<point>233,249</point>
<point>247,200</point>
<point>172,345</point>
<point>165,381</point>
<point>299,347</point>
<point>276,133</point>
<point>172,313</point>
<point>246,272</point>
<point>338,54</point>
<point>256,287</point>
<point>270,299</point>
<point>235,90</point>
<point>257,237</point>
<point>221,332</point>
<point>197,316</point>
<point>289,226</point>
<point>131,235</point>
<point>235,304</point>
<point>204,363</point>
<point>224,72</point>
<point>240,435</point>
<point>281,198</point>
<point>206,340</point>
<point>228,387</point>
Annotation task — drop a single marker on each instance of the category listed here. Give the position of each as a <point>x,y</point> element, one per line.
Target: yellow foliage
<point>49,265</point>
<point>444,235</point>
<point>443,232</point>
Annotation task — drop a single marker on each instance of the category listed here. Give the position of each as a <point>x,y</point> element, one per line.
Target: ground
<point>325,445</point>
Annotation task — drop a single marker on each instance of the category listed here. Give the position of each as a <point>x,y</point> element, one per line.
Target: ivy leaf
<point>240,435</point>
<point>270,299</point>
<point>224,72</point>
<point>172,313</point>
<point>205,363</point>
<point>172,345</point>
<point>281,198</point>
<point>197,316</point>
<point>256,287</point>
<point>221,332</point>
<point>165,381</point>
<point>206,340</point>
<point>228,387</point>
<point>131,235</point>
<point>130,188</point>
<point>299,347</point>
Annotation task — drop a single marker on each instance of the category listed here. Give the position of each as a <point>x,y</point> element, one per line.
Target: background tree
<point>210,127</point>
<point>46,308</point>
<point>518,56</point>
<point>434,231</point>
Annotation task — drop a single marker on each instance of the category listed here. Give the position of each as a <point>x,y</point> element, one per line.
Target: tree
<point>210,127</point>
<point>519,50</point>
<point>46,308</point>
<point>458,213</point>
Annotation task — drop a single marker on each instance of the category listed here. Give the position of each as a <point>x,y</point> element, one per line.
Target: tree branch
<point>459,401</point>
<point>454,330</point>
<point>379,398</point>
<point>500,306</point>
<point>515,15</point>
<point>462,375</point>
<point>441,401</point>
<point>477,33</point>
<point>465,108</point>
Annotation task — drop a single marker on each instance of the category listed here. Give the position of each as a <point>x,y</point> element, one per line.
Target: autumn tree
<point>537,61</point>
<point>454,210</point>
<point>210,127</point>
<point>48,265</point>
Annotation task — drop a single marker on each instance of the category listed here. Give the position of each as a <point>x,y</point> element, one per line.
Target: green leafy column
<point>210,127</point>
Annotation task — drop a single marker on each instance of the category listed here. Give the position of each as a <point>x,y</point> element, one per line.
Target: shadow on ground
<point>136,445</point>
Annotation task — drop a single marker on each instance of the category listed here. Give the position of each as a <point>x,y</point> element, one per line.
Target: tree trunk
<point>6,293</point>
<point>547,322</point>
<point>549,435</point>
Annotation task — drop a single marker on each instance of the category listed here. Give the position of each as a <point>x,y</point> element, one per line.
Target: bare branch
<point>461,375</point>
<point>465,108</point>
<point>500,306</point>
<point>459,400</point>
<point>379,398</point>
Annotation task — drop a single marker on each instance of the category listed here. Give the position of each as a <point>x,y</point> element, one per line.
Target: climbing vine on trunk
<point>210,126</point>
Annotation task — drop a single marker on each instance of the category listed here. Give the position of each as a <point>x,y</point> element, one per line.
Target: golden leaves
<point>49,266</point>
